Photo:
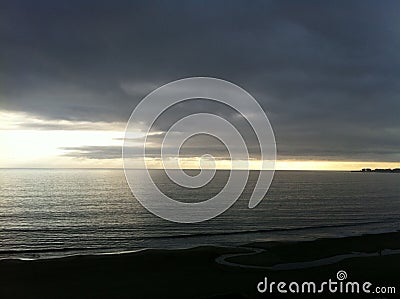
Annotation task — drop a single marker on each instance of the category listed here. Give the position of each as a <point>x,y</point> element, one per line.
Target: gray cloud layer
<point>327,73</point>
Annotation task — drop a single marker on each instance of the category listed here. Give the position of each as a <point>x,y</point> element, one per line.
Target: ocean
<point>59,212</point>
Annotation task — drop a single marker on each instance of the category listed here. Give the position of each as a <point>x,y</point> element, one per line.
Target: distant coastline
<point>381,170</point>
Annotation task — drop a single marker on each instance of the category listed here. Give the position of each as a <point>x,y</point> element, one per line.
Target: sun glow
<point>26,141</point>
<point>30,148</point>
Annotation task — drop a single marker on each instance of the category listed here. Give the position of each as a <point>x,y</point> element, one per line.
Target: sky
<point>325,73</point>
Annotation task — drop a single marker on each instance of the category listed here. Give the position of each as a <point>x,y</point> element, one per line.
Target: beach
<point>199,149</point>
<point>206,272</point>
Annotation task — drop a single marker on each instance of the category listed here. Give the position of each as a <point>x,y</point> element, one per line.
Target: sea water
<point>59,212</point>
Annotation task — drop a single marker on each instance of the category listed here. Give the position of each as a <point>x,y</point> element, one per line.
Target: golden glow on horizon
<point>192,163</point>
<point>23,148</point>
<point>331,165</point>
<point>28,148</point>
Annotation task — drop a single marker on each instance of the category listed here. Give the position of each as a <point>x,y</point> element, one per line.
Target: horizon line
<point>218,169</point>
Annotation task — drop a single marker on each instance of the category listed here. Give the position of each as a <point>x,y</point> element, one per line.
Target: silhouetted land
<point>387,170</point>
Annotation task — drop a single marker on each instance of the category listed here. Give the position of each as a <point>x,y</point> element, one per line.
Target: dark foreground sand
<point>194,273</point>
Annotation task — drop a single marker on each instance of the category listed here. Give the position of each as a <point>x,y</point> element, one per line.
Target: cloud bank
<point>326,73</point>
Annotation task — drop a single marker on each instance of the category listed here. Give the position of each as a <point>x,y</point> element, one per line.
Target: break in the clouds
<point>327,73</point>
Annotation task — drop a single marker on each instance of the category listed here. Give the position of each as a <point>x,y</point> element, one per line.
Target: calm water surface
<point>57,212</point>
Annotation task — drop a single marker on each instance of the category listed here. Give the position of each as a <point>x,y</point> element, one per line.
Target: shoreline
<point>195,272</point>
<point>256,245</point>
<point>33,255</point>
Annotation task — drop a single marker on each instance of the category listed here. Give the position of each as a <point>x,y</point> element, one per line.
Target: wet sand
<point>199,272</point>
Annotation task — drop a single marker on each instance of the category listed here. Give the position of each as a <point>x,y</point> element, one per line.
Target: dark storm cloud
<point>114,152</point>
<point>93,152</point>
<point>327,73</point>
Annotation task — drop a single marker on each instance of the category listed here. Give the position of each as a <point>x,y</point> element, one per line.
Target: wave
<point>52,250</point>
<point>38,252</point>
<point>195,235</point>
